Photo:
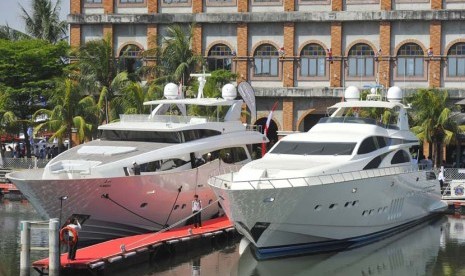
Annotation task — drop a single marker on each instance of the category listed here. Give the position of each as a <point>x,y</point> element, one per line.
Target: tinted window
<point>142,136</point>
<point>313,148</point>
<point>190,135</point>
<point>233,155</point>
<point>368,145</point>
<point>374,163</point>
<point>400,157</point>
<point>382,141</point>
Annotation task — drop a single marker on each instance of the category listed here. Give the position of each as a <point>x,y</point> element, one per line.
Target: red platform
<point>107,252</point>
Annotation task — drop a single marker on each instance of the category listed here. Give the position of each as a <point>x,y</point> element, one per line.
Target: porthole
<point>210,201</point>
<point>268,199</point>
<point>176,206</point>
<point>183,206</point>
<point>355,203</point>
<point>143,205</point>
<point>317,207</point>
<point>347,204</point>
<point>332,206</point>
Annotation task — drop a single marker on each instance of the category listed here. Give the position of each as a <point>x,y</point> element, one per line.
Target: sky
<point>10,12</point>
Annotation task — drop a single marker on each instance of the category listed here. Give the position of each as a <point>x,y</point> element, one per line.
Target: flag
<point>267,125</point>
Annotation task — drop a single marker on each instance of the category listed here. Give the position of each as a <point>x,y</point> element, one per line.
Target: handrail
<point>223,180</point>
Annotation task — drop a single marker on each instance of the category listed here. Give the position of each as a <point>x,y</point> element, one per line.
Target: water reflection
<point>406,253</point>
<point>11,214</point>
<point>433,248</point>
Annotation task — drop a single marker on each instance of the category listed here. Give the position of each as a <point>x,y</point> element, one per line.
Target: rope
<point>107,196</point>
<point>172,225</point>
<point>172,207</point>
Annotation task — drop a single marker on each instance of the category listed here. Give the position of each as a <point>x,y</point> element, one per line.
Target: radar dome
<point>228,92</point>
<point>351,94</point>
<point>394,94</point>
<point>170,91</point>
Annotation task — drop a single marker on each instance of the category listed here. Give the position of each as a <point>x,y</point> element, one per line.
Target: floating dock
<point>103,255</point>
<point>6,188</point>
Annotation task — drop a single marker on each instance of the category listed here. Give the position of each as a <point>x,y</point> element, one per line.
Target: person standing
<point>136,168</point>
<point>71,234</point>
<point>441,178</point>
<point>196,207</point>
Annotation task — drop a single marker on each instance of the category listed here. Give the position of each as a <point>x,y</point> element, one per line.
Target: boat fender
<point>65,239</point>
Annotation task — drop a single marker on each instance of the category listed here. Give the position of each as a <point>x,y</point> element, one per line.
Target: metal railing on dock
<point>53,246</point>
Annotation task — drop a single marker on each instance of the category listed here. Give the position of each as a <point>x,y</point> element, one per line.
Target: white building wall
<point>449,5</point>
<point>91,32</point>
<point>402,31</point>
<point>138,10</point>
<point>411,5</point>
<point>258,33</point>
<point>352,32</point>
<point>219,9</point>
<point>266,8</point>
<point>214,33</point>
<point>368,6</point>
<point>306,7</point>
<point>93,11</point>
<point>124,34</point>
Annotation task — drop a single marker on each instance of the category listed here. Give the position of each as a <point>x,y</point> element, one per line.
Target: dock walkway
<point>100,255</point>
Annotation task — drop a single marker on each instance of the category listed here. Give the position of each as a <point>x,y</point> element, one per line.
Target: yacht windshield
<point>313,148</point>
<point>141,136</point>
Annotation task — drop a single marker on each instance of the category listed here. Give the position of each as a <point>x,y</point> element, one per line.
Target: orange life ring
<point>66,239</point>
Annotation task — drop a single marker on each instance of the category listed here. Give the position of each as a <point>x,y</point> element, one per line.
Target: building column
<point>386,5</point>
<point>197,6</point>
<point>289,5</point>
<point>336,5</point>
<point>384,59</point>
<point>434,72</point>
<point>152,6</point>
<point>152,43</point>
<point>242,52</point>
<point>288,61</point>
<point>336,48</point>
<point>75,35</point>
<point>436,4</point>
<point>288,114</point>
<point>108,6</point>
<point>75,7</point>
<point>197,39</point>
<point>108,34</point>
<point>242,5</point>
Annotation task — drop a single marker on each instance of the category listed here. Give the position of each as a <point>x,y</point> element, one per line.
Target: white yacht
<point>98,183</point>
<point>349,180</point>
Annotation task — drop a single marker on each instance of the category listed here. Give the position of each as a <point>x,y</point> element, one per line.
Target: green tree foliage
<point>98,74</point>
<point>27,71</point>
<point>70,110</point>
<point>44,21</point>
<point>176,58</point>
<point>432,121</point>
<point>11,34</point>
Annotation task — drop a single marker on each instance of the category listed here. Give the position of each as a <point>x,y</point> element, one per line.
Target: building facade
<point>299,52</point>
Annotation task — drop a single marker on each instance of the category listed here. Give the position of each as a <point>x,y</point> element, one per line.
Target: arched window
<point>130,58</point>
<point>361,61</point>
<point>219,57</point>
<point>410,61</point>
<point>456,60</point>
<point>266,58</point>
<point>313,61</point>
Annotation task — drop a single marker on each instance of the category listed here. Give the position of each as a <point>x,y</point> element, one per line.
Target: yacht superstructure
<point>143,172</point>
<point>349,180</point>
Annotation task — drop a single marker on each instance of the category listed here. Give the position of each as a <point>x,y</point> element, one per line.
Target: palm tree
<point>99,73</point>
<point>70,111</point>
<point>8,33</point>
<point>432,121</point>
<point>177,60</point>
<point>132,98</point>
<point>44,22</point>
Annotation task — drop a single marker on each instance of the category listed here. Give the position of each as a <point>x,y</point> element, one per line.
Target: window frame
<point>139,4</point>
<point>270,58</point>
<point>361,59</point>
<point>457,57</point>
<point>316,59</point>
<point>404,58</point>
<point>220,57</point>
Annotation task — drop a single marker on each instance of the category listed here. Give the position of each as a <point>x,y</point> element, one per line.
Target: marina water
<point>435,247</point>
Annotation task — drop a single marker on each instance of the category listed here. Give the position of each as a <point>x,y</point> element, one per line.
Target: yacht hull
<point>282,221</point>
<point>120,206</point>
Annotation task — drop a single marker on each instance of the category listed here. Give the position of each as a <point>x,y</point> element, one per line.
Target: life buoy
<point>64,235</point>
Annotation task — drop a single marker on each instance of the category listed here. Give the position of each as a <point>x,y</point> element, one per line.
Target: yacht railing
<point>356,120</point>
<point>140,118</point>
<point>223,179</point>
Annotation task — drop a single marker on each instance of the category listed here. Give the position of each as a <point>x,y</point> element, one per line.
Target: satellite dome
<point>351,94</point>
<point>229,92</point>
<point>170,91</point>
<point>394,94</point>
